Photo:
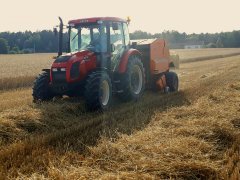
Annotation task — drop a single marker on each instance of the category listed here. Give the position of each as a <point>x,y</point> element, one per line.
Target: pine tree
<point>219,43</point>
<point>3,46</point>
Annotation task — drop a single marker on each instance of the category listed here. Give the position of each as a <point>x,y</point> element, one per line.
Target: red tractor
<point>101,62</point>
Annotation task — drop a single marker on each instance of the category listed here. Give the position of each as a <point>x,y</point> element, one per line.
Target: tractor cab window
<point>126,34</point>
<point>74,37</point>
<point>90,37</point>
<point>117,41</point>
<point>85,38</point>
<point>116,35</point>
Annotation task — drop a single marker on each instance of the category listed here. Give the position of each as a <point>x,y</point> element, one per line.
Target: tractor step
<point>118,88</point>
<point>119,91</point>
<point>117,81</point>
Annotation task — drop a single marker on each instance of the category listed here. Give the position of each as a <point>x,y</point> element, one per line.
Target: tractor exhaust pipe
<point>60,38</point>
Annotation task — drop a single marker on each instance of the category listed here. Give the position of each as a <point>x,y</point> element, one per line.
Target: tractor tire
<point>172,81</point>
<point>41,90</point>
<point>98,91</point>
<point>133,81</point>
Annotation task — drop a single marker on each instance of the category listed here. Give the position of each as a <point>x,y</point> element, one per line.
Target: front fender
<point>124,60</point>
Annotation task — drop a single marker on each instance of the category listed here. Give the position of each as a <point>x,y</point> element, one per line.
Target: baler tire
<point>128,93</point>
<point>172,81</point>
<point>41,90</point>
<point>94,91</point>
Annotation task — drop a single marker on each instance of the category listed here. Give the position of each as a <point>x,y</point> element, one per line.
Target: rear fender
<point>124,60</point>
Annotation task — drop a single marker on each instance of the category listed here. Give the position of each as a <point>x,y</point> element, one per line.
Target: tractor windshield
<point>91,37</point>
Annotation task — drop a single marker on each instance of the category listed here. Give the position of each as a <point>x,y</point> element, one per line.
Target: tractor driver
<point>100,40</point>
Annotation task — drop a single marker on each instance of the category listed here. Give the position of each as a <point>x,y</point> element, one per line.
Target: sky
<point>190,16</point>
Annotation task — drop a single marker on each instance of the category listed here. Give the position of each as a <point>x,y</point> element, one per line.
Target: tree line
<point>207,40</point>
<point>46,41</point>
<point>28,42</point>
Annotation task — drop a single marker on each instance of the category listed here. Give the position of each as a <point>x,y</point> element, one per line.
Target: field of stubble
<point>192,134</point>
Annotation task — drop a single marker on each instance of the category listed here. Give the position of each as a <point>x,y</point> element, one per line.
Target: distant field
<point>23,64</point>
<point>20,70</point>
<point>196,53</point>
<point>31,64</point>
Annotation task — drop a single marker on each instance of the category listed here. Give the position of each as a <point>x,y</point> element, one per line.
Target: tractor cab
<point>107,38</point>
<point>97,36</point>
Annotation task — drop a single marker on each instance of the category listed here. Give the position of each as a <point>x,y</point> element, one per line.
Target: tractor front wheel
<point>98,91</point>
<point>41,90</point>
<point>133,81</point>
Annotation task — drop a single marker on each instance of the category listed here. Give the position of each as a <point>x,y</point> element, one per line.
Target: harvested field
<point>191,134</point>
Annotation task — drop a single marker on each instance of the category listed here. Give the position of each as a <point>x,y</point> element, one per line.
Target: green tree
<point>219,43</point>
<point>211,45</point>
<point>3,46</point>
<point>16,49</point>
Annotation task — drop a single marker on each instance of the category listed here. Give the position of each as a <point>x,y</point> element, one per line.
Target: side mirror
<point>55,31</point>
<point>113,48</point>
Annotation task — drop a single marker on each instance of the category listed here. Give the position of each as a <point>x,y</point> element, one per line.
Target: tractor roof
<point>95,19</point>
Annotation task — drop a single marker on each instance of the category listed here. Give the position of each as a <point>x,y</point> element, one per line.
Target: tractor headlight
<point>86,58</point>
<point>54,69</point>
<point>63,69</point>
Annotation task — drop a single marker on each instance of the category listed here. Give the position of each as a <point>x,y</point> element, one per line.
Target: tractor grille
<point>74,72</point>
<point>59,76</point>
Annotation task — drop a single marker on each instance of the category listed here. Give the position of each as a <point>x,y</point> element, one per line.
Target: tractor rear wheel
<point>172,81</point>
<point>41,90</point>
<point>133,81</point>
<point>98,91</point>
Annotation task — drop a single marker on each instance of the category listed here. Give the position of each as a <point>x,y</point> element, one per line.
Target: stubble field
<point>191,134</point>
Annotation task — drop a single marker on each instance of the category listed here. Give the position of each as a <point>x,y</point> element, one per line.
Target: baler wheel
<point>172,81</point>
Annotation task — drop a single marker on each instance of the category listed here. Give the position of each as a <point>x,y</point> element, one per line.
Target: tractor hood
<point>73,67</point>
<point>80,55</point>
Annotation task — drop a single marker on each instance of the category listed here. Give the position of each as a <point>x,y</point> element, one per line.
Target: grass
<point>187,135</point>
